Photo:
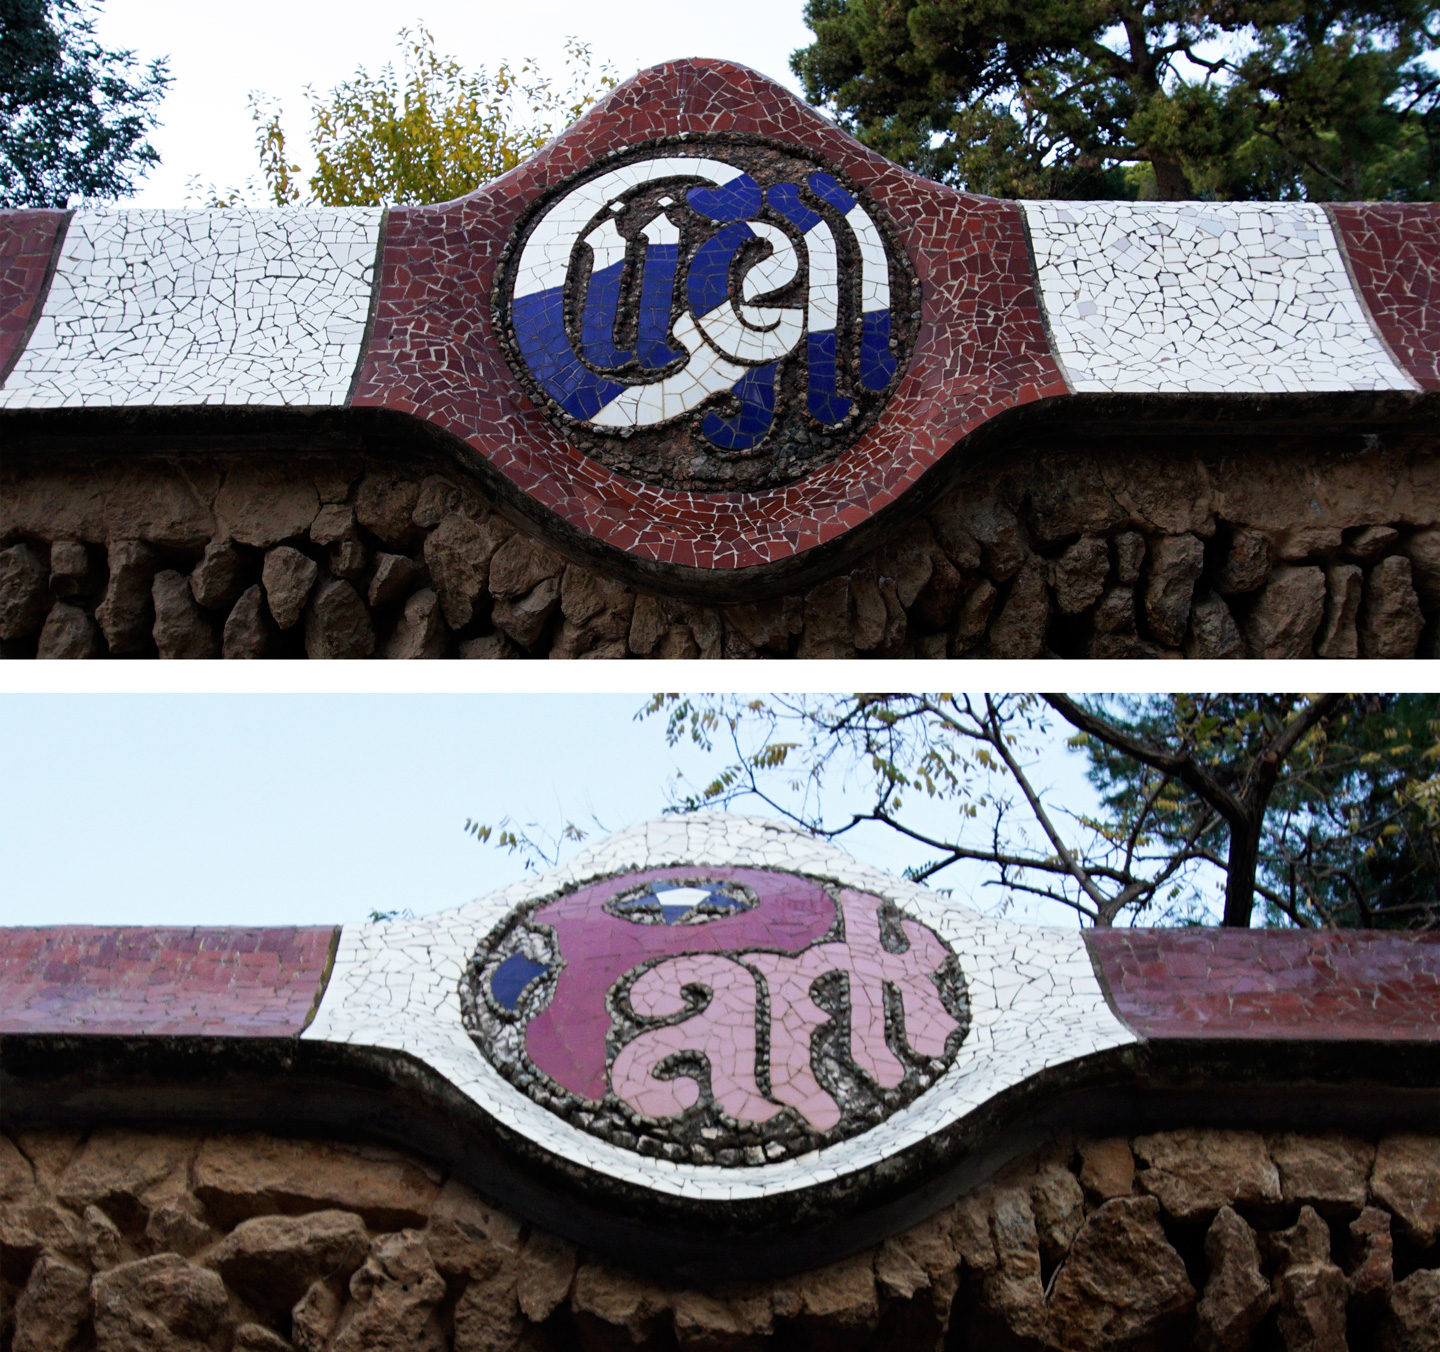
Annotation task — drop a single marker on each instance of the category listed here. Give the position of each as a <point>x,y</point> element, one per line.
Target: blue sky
<point>300,808</point>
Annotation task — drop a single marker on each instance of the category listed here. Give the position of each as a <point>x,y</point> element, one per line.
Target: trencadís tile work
<point>709,378</point>
<point>716,1084</point>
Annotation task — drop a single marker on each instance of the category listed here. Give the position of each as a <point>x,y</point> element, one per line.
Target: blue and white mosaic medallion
<point>712,313</point>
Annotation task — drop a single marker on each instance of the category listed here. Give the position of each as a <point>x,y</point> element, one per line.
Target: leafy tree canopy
<point>1323,808</point>
<point>428,132</point>
<point>73,116</point>
<point>1228,99</point>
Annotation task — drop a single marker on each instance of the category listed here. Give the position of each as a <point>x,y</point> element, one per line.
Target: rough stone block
<point>1287,614</point>
<point>182,629</point>
<point>1390,618</point>
<point>288,577</point>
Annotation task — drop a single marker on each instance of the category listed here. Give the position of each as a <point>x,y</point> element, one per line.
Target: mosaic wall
<point>706,329</point>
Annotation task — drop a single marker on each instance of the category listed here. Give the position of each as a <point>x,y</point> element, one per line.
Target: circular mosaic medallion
<point>708,312</point>
<point>732,1016</point>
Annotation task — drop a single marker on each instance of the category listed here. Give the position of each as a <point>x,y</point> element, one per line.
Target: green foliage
<point>1349,838</point>
<point>73,116</point>
<point>430,132</point>
<point>1259,99</point>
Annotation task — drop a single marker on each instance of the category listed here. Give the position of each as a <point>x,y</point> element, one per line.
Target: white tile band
<point>1203,297</point>
<point>1035,1002</point>
<point>202,307</point>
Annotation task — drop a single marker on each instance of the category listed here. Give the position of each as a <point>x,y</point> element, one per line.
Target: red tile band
<point>154,981</point>
<point>1394,254</point>
<point>27,246</point>
<point>981,346</point>
<point>1286,985</point>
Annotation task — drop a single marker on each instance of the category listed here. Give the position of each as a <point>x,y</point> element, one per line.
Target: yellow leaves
<point>430,132</point>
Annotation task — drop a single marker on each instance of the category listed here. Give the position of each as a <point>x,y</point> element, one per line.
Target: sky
<point>218,54</point>
<point>277,809</point>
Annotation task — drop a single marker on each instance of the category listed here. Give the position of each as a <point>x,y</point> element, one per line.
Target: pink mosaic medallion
<point>734,1017</point>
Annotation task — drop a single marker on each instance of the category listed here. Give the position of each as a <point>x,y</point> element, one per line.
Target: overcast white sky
<point>289,809</point>
<point>220,52</point>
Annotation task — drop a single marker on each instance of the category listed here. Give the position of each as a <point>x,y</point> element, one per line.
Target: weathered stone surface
<point>1059,1206</point>
<point>1213,632</point>
<point>182,629</point>
<point>334,522</point>
<point>520,565</point>
<point>258,1338</point>
<point>420,632</point>
<point>545,1275</point>
<point>1009,1295</point>
<point>458,554</point>
<point>487,1316</point>
<point>1170,495</point>
<point>1390,618</point>
<point>1122,1285</point>
<point>768,626</point>
<point>384,505</point>
<point>69,633</point>
<point>348,559</point>
<point>158,1304</point>
<point>827,631</point>
<point>396,1293</point>
<point>1370,1261</point>
<point>609,1296</point>
<point>1406,1180</point>
<point>1247,563</point>
<point>242,1176</point>
<point>1424,551</point>
<point>337,624</point>
<point>272,1260</point>
<point>1079,574</point>
<point>104,1245</point>
<point>126,612</point>
<point>840,1295</point>
<point>488,648</point>
<point>219,577</point>
<point>1003,546</point>
<point>1309,1288</point>
<point>467,1235</point>
<point>1411,1318</point>
<point>1176,562</point>
<point>1370,542</point>
<point>288,577</point>
<point>974,616</point>
<point>1327,1171</point>
<point>394,575</point>
<point>720,1323</point>
<point>261,505</point>
<point>32,1227</point>
<point>1287,614</point>
<point>248,629</point>
<point>315,1315</point>
<point>1339,637</point>
<point>1195,1172</point>
<point>69,569</point>
<point>595,614</point>
<point>173,1228</point>
<point>1129,557</point>
<point>17,1174</point>
<point>436,499</point>
<point>24,591</point>
<point>1107,1167</point>
<point>1018,631</point>
<point>1236,1296</point>
<point>524,618</point>
<point>896,1271</point>
<point>52,1308</point>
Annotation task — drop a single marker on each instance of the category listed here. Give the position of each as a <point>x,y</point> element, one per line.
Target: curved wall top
<point>720,1035</point>
<point>704,326</point>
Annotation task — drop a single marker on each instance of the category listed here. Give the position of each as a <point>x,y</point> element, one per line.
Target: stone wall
<point>1274,546</point>
<point>130,1241</point>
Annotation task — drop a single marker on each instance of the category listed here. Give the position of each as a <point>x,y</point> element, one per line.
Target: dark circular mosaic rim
<point>673,454</point>
<point>704,1134</point>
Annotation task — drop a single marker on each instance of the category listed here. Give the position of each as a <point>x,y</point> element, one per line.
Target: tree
<point>1348,837</point>
<point>73,116</point>
<point>428,133</point>
<point>1312,99</point>
<point>1196,790</point>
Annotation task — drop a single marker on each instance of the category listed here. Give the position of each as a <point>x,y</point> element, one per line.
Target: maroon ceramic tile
<point>27,244</point>
<point>981,346</point>
<point>141,980</point>
<point>1394,253</point>
<point>1289,984</point>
